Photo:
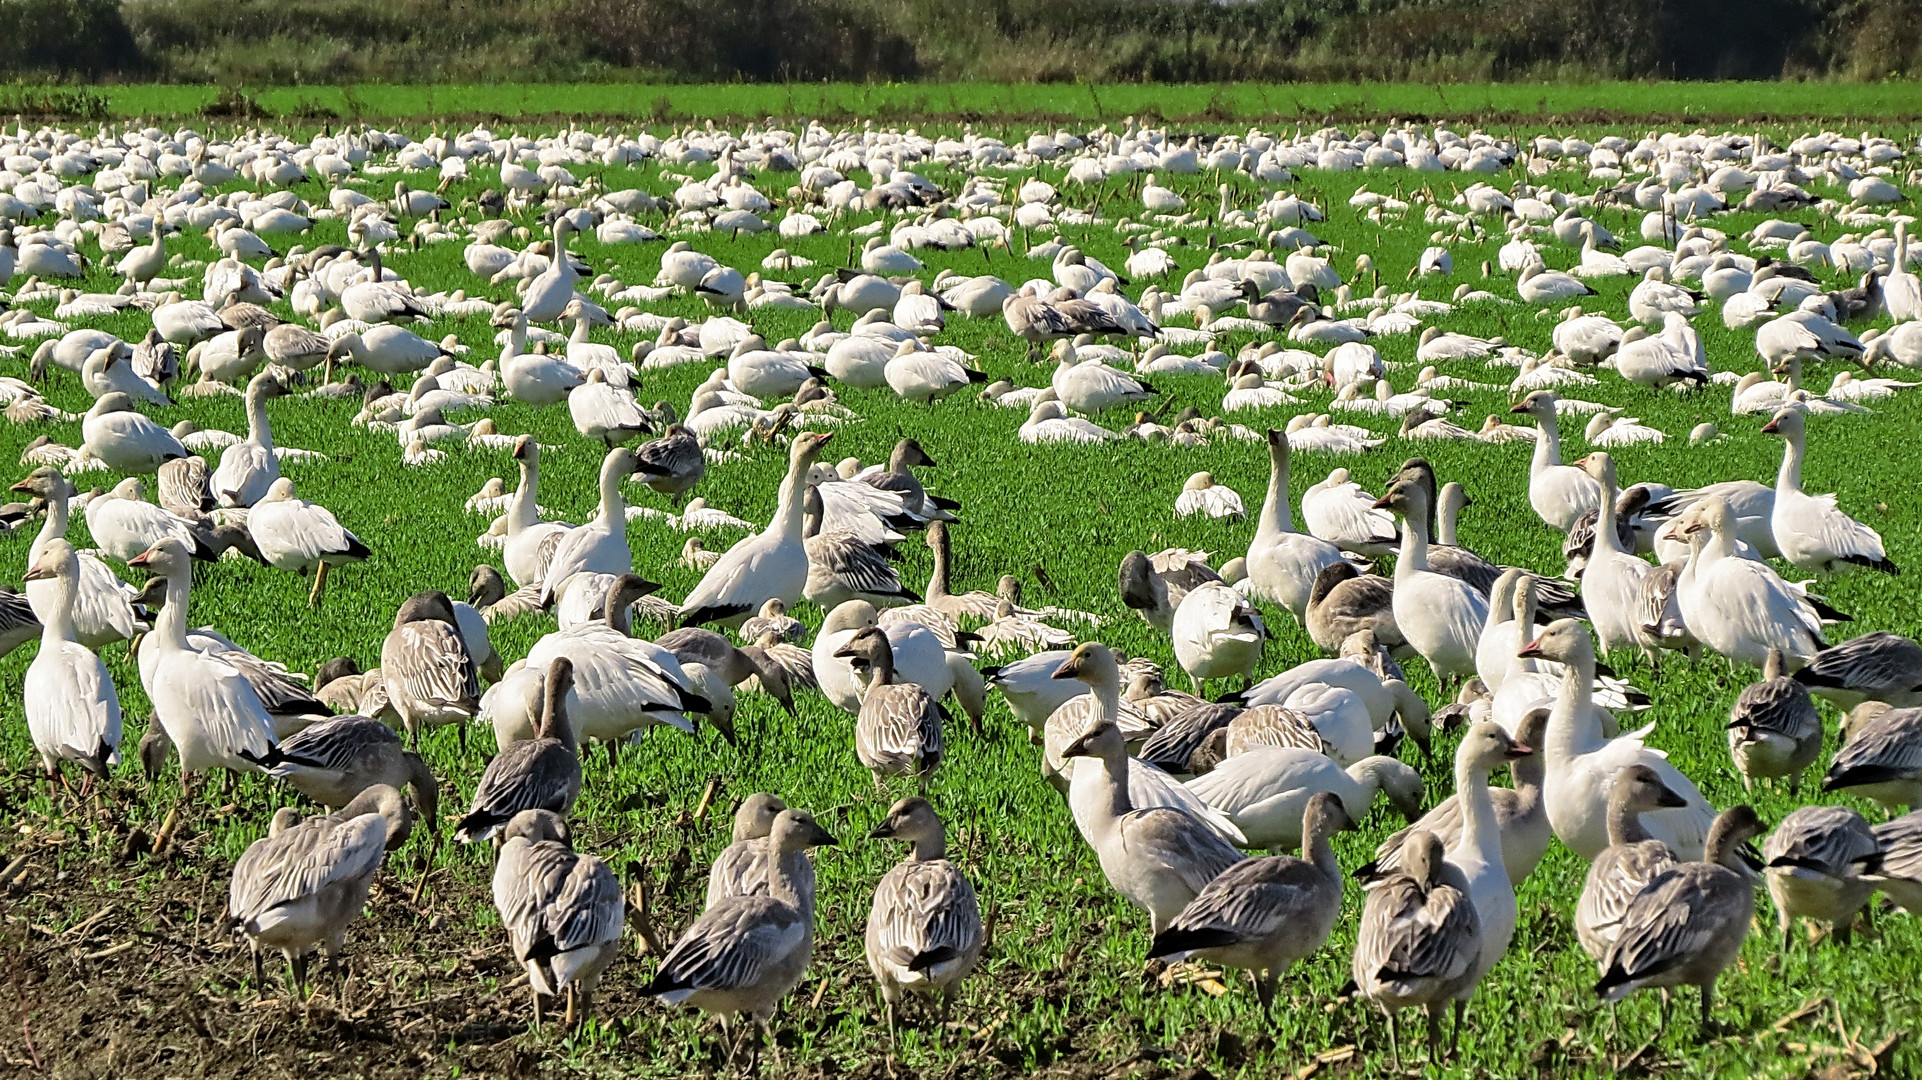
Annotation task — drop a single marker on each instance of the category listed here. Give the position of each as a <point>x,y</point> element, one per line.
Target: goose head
<point>912,819</point>
<point>534,826</point>
<point>756,815</point>
<point>1539,404</point>
<point>1787,422</point>
<point>165,559</point>
<point>1565,641</point>
<point>796,830</point>
<point>1487,745</point>
<point>1640,788</point>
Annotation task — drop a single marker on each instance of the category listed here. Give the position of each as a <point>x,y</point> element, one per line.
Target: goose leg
<point>260,974</point>
<point>1434,1034</point>
<point>320,582</point>
<point>1394,1042</point>
<point>1709,1027</point>
<point>1265,990</point>
<point>539,1015</point>
<point>1455,1037</point>
<point>573,1000</point>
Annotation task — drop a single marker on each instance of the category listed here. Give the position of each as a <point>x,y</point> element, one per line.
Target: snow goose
<point>101,603</point>
<point>620,683</point>
<point>734,666</point>
<point>1880,757</point>
<point>430,676</point>
<point>1155,586</point>
<point>771,564</point>
<point>1803,335</point>
<point>1560,494</point>
<point>1345,602</point>
<point>124,524</point>
<point>604,411</point>
<point>1284,565</point>
<point>1632,859</point>
<point>249,467</point>
<point>531,543</point>
<point>1048,422</point>
<point>673,463</point>
<point>1520,814</point>
<point>537,378</point>
<point>206,706</point>
<point>925,376</point>
<point>1217,634</point>
<point>1159,858</point>
<point>1847,387</point>
<point>1689,923</point>
<point>1263,790</point>
<point>1420,941</point>
<point>1810,533</point>
<point>1878,666</point>
<point>924,932</point>
<point>1540,285</point>
<point>976,605</point>
<point>1612,578</point>
<point>1447,556</point>
<point>1266,914</point>
<point>295,535</point>
<point>1739,607</point>
<point>302,885</point>
<point>1662,360</point>
<point>842,567</point>
<point>1090,386</point>
<point>1582,763</point>
<point>1201,495</point>
<point>1773,728</point>
<point>1817,859</point>
<point>73,713</point>
<point>563,911</point>
<point>1655,297</point>
<point>542,773</point>
<point>334,760</point>
<point>741,867</point>
<point>1338,511</point>
<point>898,729</point>
<point>1440,617</point>
<point>744,954</point>
<point>124,439</point>
<point>1477,851</point>
<point>599,546</point>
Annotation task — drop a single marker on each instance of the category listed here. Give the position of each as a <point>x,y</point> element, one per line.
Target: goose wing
<point>302,862</point>
<point>734,945</point>
<point>1178,843</point>
<point>430,661</point>
<point>924,911</point>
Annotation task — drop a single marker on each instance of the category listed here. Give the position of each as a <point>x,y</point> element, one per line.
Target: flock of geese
<point>1170,789</point>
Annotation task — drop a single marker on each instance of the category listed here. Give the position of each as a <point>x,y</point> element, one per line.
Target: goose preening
<point>334,760</point>
<point>744,954</point>
<point>1685,927</point>
<point>299,888</point>
<point>924,932</point>
<point>1520,813</point>
<point>1156,586</point>
<point>563,911</point>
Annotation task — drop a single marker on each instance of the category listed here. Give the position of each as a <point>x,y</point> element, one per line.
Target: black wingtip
<point>1179,940</point>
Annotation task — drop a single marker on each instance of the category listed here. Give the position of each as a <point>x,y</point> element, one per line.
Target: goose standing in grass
<point>208,709</point>
<point>101,604</point>
<point>1773,728</point>
<point>1420,941</point>
<point>334,760</point>
<point>249,467</point>
<point>542,773</point>
<point>1159,858</point>
<point>73,713</point>
<point>1612,580</point>
<point>976,605</point>
<point>563,911</point>
<point>1560,493</point>
<point>1688,925</point>
<point>1582,763</point>
<point>1878,666</point>
<point>898,731</point>
<point>746,953</point>
<point>1217,634</point>
<point>1283,564</point>
<point>1440,617</point>
<point>1900,875</point>
<point>1520,813</point>
<point>741,869</point>
<point>1739,607</point>
<point>531,542</point>
<point>295,535</point>
<point>772,564</point>
<point>301,886</point>
<point>1809,531</point>
<point>1880,757</point>
<point>431,678</point>
<point>924,932</point>
<point>671,464</point>
<point>620,683</point>
<point>1265,915</point>
<point>1477,853</point>
<point>1446,555</point>
<point>1817,860</point>
<point>599,546</point>
<point>1632,859</point>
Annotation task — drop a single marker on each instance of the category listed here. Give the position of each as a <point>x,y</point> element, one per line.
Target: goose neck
<point>938,579</point>
<point>787,511</point>
<point>1548,443</point>
<point>59,624</point>
<point>170,626</point>
<point>1275,516</point>
<point>522,512</point>
<point>1573,728</point>
<point>1789,478</point>
<point>613,506</point>
<point>1414,547</point>
<point>1625,823</point>
<point>258,430</point>
<point>59,514</point>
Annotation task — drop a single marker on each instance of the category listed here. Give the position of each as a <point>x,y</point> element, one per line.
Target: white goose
<point>73,713</point>
<point>1582,763</point>
<point>1739,607</point>
<point>600,546</point>
<point>206,706</point>
<point>1560,493</point>
<point>1809,531</point>
<point>102,608</point>
<point>249,467</point>
<point>1612,578</point>
<point>1440,616</point>
<point>1283,563</point>
<point>773,564</point>
<point>295,535</point>
<point>530,541</point>
<point>1338,511</point>
<point>1217,634</point>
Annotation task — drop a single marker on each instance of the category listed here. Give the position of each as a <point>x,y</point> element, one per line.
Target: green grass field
<point>121,966</point>
<point>1678,103</point>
